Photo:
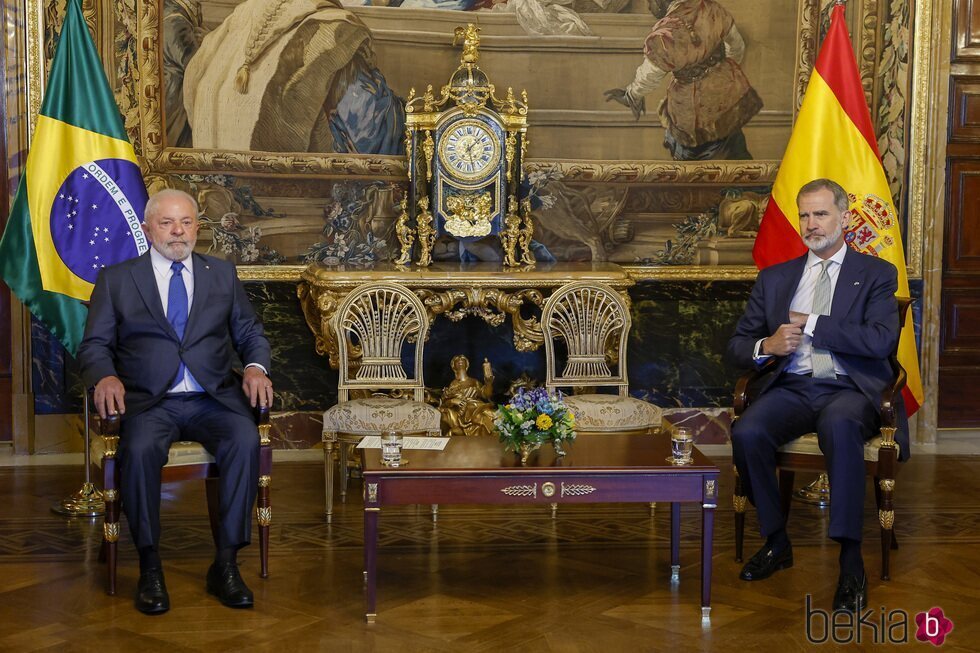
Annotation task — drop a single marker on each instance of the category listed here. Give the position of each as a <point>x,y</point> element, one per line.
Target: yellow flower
<point>571,418</point>
<point>543,422</point>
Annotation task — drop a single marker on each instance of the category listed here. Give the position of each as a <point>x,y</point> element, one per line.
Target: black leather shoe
<point>226,583</point>
<point>151,592</point>
<point>852,593</point>
<point>765,562</point>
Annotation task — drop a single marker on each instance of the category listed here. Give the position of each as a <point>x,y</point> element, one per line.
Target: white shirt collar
<point>838,258</point>
<point>162,264</point>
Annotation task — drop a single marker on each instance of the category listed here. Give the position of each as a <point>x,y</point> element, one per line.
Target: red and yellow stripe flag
<point>833,138</point>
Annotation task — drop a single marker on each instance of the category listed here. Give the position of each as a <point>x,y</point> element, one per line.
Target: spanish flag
<point>833,138</point>
<point>80,202</point>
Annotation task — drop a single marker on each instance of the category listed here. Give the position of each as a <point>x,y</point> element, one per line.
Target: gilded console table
<point>454,290</point>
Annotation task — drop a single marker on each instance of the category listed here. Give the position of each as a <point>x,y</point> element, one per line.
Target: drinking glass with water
<point>681,445</point>
<point>391,448</point>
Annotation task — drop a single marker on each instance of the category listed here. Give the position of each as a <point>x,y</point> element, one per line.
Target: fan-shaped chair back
<point>593,321</point>
<point>374,323</point>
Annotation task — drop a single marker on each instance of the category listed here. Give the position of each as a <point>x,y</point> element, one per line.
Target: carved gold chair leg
<point>264,517</point>
<point>110,483</point>
<point>554,510</point>
<point>653,508</point>
<point>887,464</point>
<point>263,506</point>
<point>738,502</point>
<point>435,512</point>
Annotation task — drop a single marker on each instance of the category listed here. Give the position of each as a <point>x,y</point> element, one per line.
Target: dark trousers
<point>230,437</point>
<point>843,418</point>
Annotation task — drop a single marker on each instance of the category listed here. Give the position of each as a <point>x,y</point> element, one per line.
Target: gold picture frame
<point>134,26</point>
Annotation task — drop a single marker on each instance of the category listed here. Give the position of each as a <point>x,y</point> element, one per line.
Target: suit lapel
<point>848,284</point>
<point>202,288</point>
<point>791,281</point>
<point>146,286</point>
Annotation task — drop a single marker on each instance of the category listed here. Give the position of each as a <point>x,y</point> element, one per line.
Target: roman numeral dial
<point>469,150</point>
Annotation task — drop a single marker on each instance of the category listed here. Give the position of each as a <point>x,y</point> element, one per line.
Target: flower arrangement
<point>533,417</point>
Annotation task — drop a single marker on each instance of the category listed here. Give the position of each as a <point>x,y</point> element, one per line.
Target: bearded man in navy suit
<point>162,334</point>
<point>831,320</point>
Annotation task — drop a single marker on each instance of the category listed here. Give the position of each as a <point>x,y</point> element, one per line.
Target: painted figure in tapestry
<point>709,98</point>
<point>559,17</point>
<point>183,30</point>
<point>291,76</point>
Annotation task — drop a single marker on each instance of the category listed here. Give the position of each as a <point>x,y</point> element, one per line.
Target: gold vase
<point>526,449</point>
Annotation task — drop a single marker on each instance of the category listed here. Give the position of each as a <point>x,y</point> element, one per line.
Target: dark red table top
<point>591,452</point>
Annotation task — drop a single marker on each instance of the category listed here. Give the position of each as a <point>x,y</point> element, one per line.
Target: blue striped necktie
<point>177,309</point>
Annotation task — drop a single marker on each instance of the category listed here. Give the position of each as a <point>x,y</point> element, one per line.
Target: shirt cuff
<point>811,324</point>
<point>261,367</point>
<point>757,354</point>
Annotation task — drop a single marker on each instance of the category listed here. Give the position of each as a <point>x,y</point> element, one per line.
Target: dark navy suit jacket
<point>861,331</point>
<point>127,334</point>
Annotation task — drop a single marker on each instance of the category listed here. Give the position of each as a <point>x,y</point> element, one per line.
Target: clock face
<point>469,150</point>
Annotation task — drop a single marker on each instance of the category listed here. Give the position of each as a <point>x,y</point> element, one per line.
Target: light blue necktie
<point>820,359</point>
<point>177,309</point>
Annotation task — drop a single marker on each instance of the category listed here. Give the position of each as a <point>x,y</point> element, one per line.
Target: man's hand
<point>637,107</point>
<point>799,319</point>
<point>784,342</point>
<point>257,387</point>
<point>109,393</point>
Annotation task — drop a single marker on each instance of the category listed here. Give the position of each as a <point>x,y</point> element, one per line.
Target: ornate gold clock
<point>465,152</point>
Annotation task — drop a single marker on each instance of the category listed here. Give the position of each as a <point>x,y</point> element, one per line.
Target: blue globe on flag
<point>96,216</point>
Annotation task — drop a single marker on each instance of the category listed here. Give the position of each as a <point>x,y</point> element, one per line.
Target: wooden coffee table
<point>597,469</point>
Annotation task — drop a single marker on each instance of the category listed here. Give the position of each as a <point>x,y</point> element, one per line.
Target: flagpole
<point>87,501</point>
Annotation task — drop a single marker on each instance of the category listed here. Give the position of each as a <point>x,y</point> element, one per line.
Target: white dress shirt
<point>800,360</point>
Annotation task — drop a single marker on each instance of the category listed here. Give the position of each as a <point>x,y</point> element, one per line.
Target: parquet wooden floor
<point>481,579</point>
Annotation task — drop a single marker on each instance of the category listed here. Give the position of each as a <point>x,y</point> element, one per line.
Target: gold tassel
<point>241,79</point>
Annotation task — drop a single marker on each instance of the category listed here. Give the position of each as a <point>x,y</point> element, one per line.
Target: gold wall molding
<point>927,189</point>
<point>691,273</point>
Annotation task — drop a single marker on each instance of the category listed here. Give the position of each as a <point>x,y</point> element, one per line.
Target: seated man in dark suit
<point>162,332</point>
<point>831,319</point>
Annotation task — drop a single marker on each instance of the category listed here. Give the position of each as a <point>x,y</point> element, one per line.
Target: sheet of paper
<point>410,442</point>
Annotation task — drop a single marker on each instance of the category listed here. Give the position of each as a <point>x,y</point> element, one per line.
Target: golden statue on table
<point>467,404</point>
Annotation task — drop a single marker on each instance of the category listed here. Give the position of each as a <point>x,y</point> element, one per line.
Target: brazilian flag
<point>80,201</point>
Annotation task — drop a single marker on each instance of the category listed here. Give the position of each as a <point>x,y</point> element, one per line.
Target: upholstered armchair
<point>880,454</point>
<point>588,324</point>
<point>186,461</point>
<point>376,324</point>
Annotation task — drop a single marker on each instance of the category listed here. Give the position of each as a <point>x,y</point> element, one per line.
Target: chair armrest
<point>109,426</point>
<point>743,395</point>
<point>261,415</point>
<point>890,396</point>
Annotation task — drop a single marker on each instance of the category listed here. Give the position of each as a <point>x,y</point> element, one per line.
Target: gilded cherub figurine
<point>510,234</point>
<point>527,233</point>
<point>470,36</point>
<point>467,404</point>
<point>426,232</point>
<point>405,234</point>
